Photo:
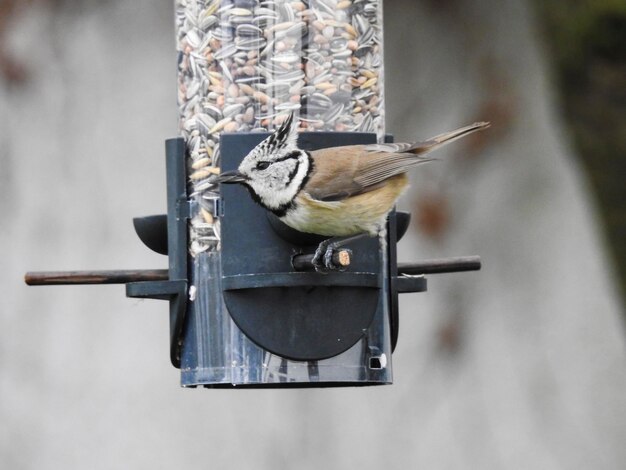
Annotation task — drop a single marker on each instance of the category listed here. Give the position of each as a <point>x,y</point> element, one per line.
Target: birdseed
<point>244,65</point>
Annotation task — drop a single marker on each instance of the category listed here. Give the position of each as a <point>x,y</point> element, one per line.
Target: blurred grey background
<point>519,366</point>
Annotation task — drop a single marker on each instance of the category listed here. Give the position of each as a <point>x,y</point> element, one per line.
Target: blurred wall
<point>587,49</point>
<point>519,366</point>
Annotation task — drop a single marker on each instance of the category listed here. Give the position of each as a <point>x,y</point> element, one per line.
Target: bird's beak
<point>231,177</point>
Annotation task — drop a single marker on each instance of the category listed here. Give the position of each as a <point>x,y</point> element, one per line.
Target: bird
<point>342,193</point>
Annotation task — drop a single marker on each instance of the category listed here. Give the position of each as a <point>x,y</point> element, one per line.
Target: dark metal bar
<point>442,265</point>
<point>118,276</point>
<point>177,216</point>
<point>341,259</point>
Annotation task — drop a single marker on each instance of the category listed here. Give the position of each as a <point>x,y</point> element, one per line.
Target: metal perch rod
<point>119,276</point>
<point>440,266</point>
<point>300,262</point>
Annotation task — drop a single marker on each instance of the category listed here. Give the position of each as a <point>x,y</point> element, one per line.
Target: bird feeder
<point>246,307</point>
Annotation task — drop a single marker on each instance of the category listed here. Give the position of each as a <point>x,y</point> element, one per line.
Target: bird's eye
<point>262,165</point>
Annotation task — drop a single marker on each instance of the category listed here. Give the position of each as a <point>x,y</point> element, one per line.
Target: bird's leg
<point>323,258</point>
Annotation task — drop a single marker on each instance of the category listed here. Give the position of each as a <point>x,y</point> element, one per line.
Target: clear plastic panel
<point>216,352</point>
<point>243,65</point>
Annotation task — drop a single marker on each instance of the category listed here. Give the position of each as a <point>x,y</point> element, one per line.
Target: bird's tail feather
<point>420,148</point>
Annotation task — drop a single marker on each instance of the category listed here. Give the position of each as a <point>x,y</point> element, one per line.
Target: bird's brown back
<point>341,172</point>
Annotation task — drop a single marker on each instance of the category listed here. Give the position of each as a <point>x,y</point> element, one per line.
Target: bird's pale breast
<point>365,212</point>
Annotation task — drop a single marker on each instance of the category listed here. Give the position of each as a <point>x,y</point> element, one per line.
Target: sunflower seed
<point>286,58</point>
<point>288,106</point>
<point>225,51</point>
<point>250,44</point>
<point>233,110</point>
<point>248,29</point>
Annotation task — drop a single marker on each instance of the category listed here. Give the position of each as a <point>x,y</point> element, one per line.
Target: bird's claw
<point>319,258</point>
<point>323,258</point>
<point>328,258</point>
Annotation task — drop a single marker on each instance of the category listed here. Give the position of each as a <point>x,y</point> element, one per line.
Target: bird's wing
<point>332,178</point>
<point>342,172</point>
<point>389,148</point>
<point>376,167</point>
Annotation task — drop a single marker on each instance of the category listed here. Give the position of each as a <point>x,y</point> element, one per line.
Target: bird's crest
<point>282,139</point>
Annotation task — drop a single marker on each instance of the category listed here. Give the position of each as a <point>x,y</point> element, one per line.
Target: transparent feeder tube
<point>244,65</point>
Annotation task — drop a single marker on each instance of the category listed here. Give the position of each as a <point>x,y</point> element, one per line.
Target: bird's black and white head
<point>275,170</point>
